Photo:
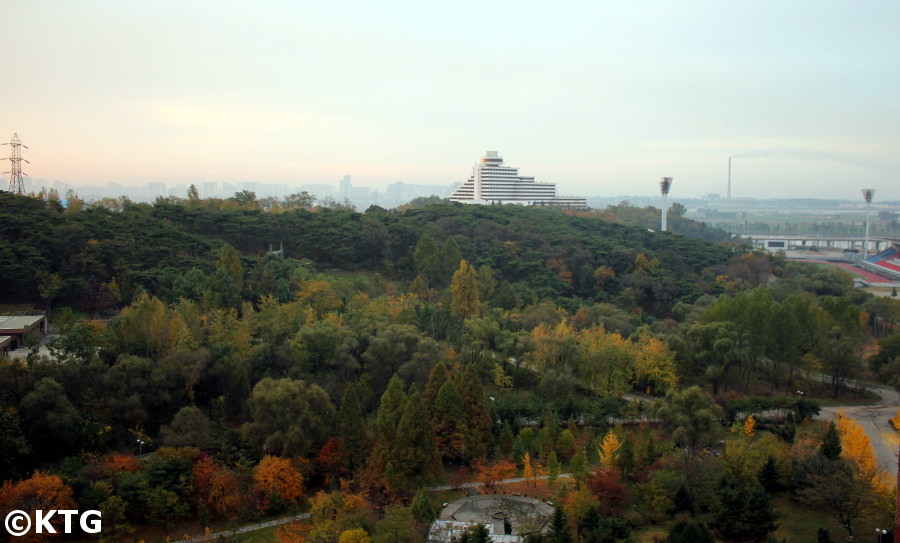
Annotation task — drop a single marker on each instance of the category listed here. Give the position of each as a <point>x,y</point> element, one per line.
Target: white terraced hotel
<point>493,183</point>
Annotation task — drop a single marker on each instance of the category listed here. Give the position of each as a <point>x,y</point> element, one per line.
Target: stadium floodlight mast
<point>664,186</point>
<point>867,195</point>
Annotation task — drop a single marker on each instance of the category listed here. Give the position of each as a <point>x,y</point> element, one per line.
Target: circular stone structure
<point>526,515</point>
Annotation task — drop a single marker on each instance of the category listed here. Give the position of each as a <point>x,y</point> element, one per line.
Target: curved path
<point>876,421</point>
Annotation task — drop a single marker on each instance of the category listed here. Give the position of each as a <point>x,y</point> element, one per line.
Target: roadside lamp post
<point>140,443</point>
<point>881,535</point>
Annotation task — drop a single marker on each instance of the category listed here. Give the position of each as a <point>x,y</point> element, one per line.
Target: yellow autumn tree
<point>857,448</point>
<point>465,291</point>
<point>654,365</point>
<point>609,449</point>
<point>356,535</point>
<point>318,295</point>
<point>602,276</point>
<point>554,345</point>
<point>750,426</point>
<point>895,421</point>
<point>531,469</point>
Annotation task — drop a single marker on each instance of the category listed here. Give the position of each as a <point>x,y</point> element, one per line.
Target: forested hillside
<point>534,253</point>
<point>392,350</point>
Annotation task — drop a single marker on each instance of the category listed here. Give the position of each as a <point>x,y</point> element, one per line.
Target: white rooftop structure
<point>493,183</point>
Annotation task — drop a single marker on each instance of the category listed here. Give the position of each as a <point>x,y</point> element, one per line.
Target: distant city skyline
<point>601,98</point>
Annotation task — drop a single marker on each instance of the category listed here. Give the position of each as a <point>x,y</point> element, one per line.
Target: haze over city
<point>602,98</point>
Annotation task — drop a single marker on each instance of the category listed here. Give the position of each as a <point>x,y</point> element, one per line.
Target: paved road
<point>875,420</point>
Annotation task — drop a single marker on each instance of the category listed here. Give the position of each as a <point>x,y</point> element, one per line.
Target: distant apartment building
<point>493,183</point>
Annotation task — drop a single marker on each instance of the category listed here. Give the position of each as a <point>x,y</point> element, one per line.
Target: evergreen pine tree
<point>683,501</point>
<point>428,260</point>
<point>436,379</point>
<point>560,531</point>
<point>479,436</point>
<point>414,454</point>
<point>352,430</point>
<point>421,507</point>
<point>450,259</point>
<point>824,536</point>
<point>450,422</point>
<point>387,419</point>
<point>769,477</point>
<point>831,445</point>
<point>690,532</point>
<point>476,534</point>
<point>589,526</point>
<point>505,442</point>
<point>393,402</point>
<point>625,459</point>
<point>745,511</point>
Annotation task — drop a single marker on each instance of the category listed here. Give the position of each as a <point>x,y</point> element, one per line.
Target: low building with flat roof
<point>5,344</point>
<point>19,326</point>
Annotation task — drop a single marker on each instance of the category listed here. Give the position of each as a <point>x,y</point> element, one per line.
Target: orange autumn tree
<point>116,463</point>
<point>274,474</point>
<point>490,474</point>
<point>41,491</point>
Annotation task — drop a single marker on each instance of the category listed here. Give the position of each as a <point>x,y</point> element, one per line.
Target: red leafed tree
<point>331,459</point>
<point>607,485</point>
<point>216,487</point>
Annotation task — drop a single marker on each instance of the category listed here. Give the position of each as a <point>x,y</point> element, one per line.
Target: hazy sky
<point>601,97</point>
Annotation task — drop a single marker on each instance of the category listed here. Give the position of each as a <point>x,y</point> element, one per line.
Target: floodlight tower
<point>867,195</point>
<point>664,187</point>
<point>16,185</point>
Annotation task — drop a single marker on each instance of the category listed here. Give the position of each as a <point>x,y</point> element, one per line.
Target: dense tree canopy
<point>388,350</point>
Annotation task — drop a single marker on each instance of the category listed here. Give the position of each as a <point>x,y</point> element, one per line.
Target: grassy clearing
<point>797,523</point>
<point>264,535</point>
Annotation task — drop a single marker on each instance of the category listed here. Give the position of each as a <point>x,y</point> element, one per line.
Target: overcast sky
<point>601,97</point>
